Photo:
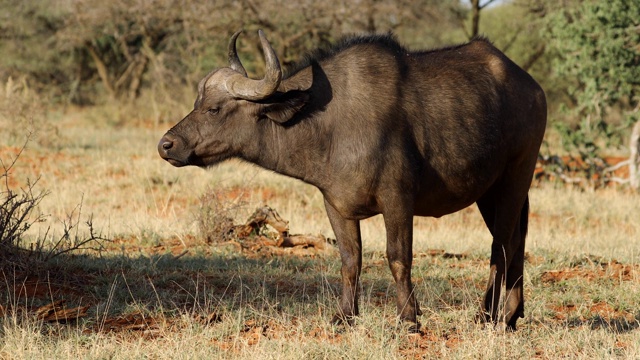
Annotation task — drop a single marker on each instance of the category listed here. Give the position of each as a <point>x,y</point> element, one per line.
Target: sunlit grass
<point>279,307</point>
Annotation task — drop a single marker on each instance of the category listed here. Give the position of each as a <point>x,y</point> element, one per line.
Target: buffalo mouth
<point>176,162</point>
<point>173,150</point>
<point>191,160</point>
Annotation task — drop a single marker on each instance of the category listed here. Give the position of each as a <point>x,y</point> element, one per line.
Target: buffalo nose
<point>165,145</point>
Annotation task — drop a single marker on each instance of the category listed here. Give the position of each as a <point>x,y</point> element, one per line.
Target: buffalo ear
<point>284,106</point>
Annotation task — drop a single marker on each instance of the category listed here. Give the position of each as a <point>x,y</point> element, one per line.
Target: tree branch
<point>102,70</point>
<point>534,57</point>
<point>485,4</point>
<point>513,38</point>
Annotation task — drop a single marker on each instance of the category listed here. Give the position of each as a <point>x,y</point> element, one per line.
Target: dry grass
<point>144,297</point>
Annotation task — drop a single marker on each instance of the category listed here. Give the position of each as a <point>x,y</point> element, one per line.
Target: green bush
<point>597,50</point>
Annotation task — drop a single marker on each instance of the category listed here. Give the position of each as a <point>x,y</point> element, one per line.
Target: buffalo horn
<point>234,60</point>
<point>242,87</point>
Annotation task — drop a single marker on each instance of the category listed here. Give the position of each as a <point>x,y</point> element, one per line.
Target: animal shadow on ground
<point>134,290</point>
<point>618,324</point>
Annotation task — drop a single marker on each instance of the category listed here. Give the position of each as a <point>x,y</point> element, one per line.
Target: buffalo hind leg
<point>399,228</point>
<point>514,302</point>
<point>350,244</point>
<point>507,259</point>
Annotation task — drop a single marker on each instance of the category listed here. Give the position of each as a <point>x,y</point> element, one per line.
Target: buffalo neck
<point>293,150</point>
<point>300,147</point>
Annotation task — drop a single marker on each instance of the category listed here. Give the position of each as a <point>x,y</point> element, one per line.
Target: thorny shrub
<point>16,208</point>
<point>18,213</point>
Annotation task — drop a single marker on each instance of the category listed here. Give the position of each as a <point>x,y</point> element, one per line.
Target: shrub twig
<point>17,215</point>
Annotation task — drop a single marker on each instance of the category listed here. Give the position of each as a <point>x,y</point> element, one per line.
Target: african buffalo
<point>379,129</point>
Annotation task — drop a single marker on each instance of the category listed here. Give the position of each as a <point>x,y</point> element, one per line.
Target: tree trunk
<point>476,7</point>
<point>475,18</point>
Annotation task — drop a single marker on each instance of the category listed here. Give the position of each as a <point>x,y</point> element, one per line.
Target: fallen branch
<point>617,166</point>
<point>618,180</point>
<point>590,173</point>
<point>265,232</point>
<point>570,180</point>
<point>57,312</point>
<point>315,241</point>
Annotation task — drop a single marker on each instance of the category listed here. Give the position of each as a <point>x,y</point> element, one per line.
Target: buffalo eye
<point>213,111</point>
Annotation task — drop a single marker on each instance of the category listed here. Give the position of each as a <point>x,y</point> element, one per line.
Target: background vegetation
<point>147,56</point>
<point>107,251</point>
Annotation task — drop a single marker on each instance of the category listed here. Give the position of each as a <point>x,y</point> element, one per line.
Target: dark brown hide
<point>383,130</point>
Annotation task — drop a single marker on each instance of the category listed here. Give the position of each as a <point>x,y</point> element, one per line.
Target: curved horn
<point>244,88</point>
<point>234,60</point>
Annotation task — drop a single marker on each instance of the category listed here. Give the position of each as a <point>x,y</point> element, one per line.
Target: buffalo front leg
<point>400,254</point>
<point>350,244</point>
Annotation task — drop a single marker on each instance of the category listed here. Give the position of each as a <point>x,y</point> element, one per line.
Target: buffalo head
<point>226,112</point>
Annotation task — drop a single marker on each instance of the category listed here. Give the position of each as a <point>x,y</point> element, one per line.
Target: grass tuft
<point>217,211</point>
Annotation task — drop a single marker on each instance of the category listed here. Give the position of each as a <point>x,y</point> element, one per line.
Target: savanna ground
<point>157,287</point>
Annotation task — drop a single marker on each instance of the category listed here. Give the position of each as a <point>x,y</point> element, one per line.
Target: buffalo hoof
<point>412,327</point>
<point>407,326</point>
<point>503,328</point>
<point>341,319</point>
<point>485,318</point>
<point>511,325</point>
